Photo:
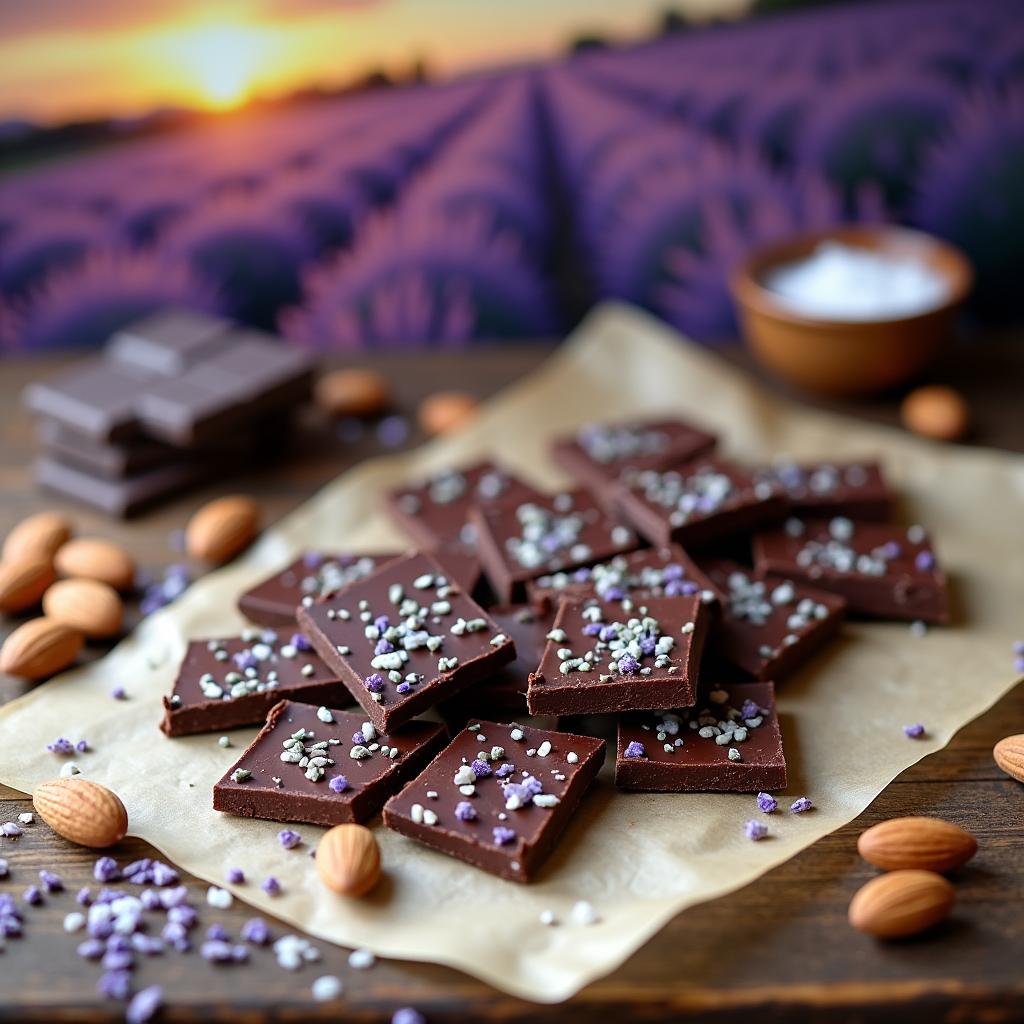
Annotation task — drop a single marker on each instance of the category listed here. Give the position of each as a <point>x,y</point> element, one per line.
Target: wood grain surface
<point>777,949</point>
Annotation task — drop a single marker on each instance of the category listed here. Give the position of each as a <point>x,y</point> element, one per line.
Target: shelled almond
<point>91,606</point>
<point>39,648</point>
<point>928,844</point>
<point>222,528</point>
<point>38,536</point>
<point>348,860</point>
<point>96,558</point>
<point>1009,756</point>
<point>23,581</point>
<point>352,392</point>
<point>447,412</point>
<point>82,811</point>
<point>901,903</point>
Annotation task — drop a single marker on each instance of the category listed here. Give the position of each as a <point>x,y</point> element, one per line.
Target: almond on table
<point>23,582</point>
<point>96,558</point>
<point>40,647</point>
<point>901,903</point>
<point>91,606</point>
<point>222,528</point>
<point>81,811</point>
<point>929,844</point>
<point>39,535</point>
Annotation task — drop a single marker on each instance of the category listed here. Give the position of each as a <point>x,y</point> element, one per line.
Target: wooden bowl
<point>843,357</point>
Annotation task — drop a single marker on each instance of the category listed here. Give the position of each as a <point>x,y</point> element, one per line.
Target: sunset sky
<point>62,59</point>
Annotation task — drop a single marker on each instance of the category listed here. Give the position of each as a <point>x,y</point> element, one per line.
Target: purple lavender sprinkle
<point>628,665</point>
<point>403,688</point>
<point>164,874</point>
<point>239,953</point>
<point>393,431</point>
<point>504,770</point>
<point>10,830</point>
<point>118,944</point>
<point>481,769</point>
<point>272,887</point>
<point>465,811</point>
<point>1018,664</point>
<point>216,951</point>
<point>174,932</point>
<point>32,896</point>
<point>255,930</point>
<point>766,803</point>
<point>244,659</point>
<point>592,629</point>
<point>914,732</point>
<point>144,1005</point>
<point>339,784</point>
<point>408,1015</point>
<point>381,623</point>
<point>800,805</point>
<point>634,749</point>
<point>82,746</point>
<point>236,876</point>
<point>61,746</point>
<point>119,693</point>
<point>117,960</point>
<point>51,882</point>
<point>607,634</point>
<point>176,897</point>
<point>755,830</point>
<point>147,945</point>
<point>648,645</point>
<point>924,561</point>
<point>183,915</point>
<point>374,683</point>
<point>114,985</point>
<point>614,594</point>
<point>384,647</point>
<point>289,838</point>
<point>301,642</point>
<point>1018,648</point>
<point>91,949</point>
<point>84,896</point>
<point>150,899</point>
<point>217,933</point>
<point>749,709</point>
<point>502,835</point>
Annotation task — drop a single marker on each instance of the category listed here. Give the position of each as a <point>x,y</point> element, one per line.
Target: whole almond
<point>901,903</point>
<point>447,412</point>
<point>82,811</point>
<point>38,536</point>
<point>929,844</point>
<point>353,392</point>
<point>348,860</point>
<point>91,606</point>
<point>1009,755</point>
<point>39,648</point>
<point>95,558</point>
<point>222,528</point>
<point>23,582</point>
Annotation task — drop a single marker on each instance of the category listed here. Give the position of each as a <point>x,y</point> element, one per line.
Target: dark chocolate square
<point>680,752</point>
<point>518,542</point>
<point>306,765</point>
<point>436,511</point>
<point>883,571</point>
<point>226,683</point>
<point>405,638</point>
<point>697,502</point>
<point>606,656</point>
<point>854,489</point>
<point>169,341</point>
<point>770,625</point>
<point>499,796</point>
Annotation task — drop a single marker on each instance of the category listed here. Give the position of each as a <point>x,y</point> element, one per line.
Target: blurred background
<point>377,173</point>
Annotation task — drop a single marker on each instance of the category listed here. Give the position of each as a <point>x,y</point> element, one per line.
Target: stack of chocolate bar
<point>748,573</point>
<point>172,400</point>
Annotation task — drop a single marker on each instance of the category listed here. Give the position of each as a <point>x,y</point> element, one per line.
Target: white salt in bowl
<point>850,310</point>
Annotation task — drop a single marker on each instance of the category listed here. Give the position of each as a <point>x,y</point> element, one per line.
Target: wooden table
<point>778,949</point>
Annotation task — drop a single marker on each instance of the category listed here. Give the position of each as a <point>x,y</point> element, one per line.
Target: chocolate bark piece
<point>504,692</point>
<point>599,452</point>
<point>95,397</point>
<point>649,572</point>
<point>518,542</point>
<point>730,743</point>
<point>323,766</point>
<point>499,796</point>
<point>770,625</point>
<point>436,511</point>
<point>169,341</point>
<point>606,656</point>
<point>883,571</point>
<point>405,638</point>
<point>225,683</point>
<point>697,502</point>
<point>109,460</point>
<point>857,490</point>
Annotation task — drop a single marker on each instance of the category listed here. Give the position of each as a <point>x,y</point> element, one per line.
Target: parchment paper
<point>639,859</point>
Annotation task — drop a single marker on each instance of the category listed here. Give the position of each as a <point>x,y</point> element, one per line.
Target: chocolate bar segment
<point>697,502</point>
<point>649,572</point>
<point>499,797</point>
<point>436,511</point>
<point>730,743</point>
<point>853,489</point>
<point>882,571</point>
<point>518,542</point>
<point>607,656</point>
<point>405,638</point>
<point>599,452</point>
<point>169,341</point>
<point>226,683</point>
<point>770,625</point>
<point>323,766</point>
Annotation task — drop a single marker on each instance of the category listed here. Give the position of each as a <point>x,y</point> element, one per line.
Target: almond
<point>1009,755</point>
<point>96,559</point>
<point>39,648</point>
<point>38,536</point>
<point>901,903</point>
<point>222,528</point>
<point>447,411</point>
<point>929,844</point>
<point>348,860</point>
<point>91,606</point>
<point>354,392</point>
<point>82,811</point>
<point>23,582</point>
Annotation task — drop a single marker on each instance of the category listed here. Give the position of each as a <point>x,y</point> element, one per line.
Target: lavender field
<point>502,206</point>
